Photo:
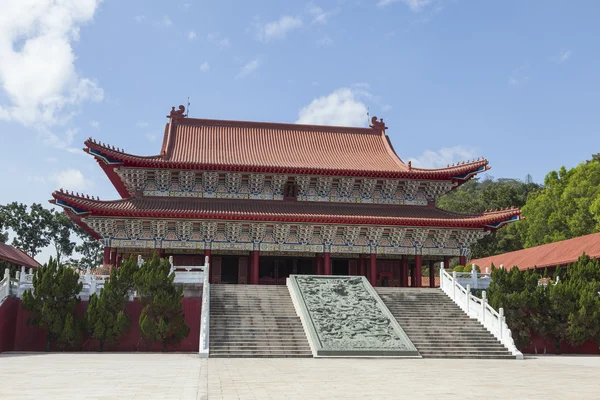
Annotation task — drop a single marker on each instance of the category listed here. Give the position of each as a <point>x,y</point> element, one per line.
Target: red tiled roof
<point>288,211</point>
<point>281,148</point>
<point>16,256</point>
<point>546,255</point>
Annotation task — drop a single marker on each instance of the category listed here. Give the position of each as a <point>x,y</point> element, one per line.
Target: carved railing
<point>5,286</point>
<point>494,321</point>
<point>205,313</point>
<point>476,280</point>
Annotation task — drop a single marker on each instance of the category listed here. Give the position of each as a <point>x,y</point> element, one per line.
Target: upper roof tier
<point>206,144</point>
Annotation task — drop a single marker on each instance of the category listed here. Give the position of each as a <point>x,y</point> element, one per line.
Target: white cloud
<point>325,41</point>
<point>414,5</point>
<point>320,16</point>
<point>95,124</point>
<point>139,18</point>
<point>443,157</point>
<point>562,57</point>
<point>71,179</point>
<point>151,137</point>
<point>277,29</point>
<point>519,75</point>
<point>204,67</point>
<point>37,63</point>
<point>218,40</point>
<point>342,107</point>
<point>141,124</point>
<point>191,35</point>
<point>249,68</point>
<point>166,21</point>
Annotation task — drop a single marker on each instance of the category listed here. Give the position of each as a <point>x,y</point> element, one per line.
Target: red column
<point>373,269</point>
<point>106,260</point>
<point>319,260</point>
<point>431,274</point>
<point>418,270</point>
<point>462,260</point>
<point>404,272</point>
<point>362,265</point>
<point>160,253</point>
<point>254,262</point>
<point>326,263</point>
<point>113,257</point>
<point>446,261</point>
<point>207,254</point>
<point>119,257</point>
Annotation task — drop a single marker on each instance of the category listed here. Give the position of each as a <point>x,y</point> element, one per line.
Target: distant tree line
<point>567,205</point>
<point>36,227</point>
<point>566,309</point>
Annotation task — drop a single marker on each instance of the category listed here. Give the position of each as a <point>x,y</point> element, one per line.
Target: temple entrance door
<point>339,267</point>
<point>229,269</point>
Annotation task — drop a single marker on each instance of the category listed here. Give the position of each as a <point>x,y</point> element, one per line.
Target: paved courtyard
<point>185,376</point>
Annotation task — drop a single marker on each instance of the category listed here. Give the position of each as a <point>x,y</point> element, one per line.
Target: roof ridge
<point>284,125</point>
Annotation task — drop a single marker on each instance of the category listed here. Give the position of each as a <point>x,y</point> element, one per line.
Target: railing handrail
<point>204,346</point>
<point>494,321</point>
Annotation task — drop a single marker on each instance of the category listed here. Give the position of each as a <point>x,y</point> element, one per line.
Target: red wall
<point>541,345</point>
<point>8,319</point>
<point>17,335</point>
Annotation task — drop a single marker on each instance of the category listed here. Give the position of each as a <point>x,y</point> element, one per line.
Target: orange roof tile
<point>546,255</point>
<point>289,211</point>
<point>286,148</point>
<point>16,256</point>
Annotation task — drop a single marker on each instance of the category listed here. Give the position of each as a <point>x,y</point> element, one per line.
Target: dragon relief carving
<point>346,316</point>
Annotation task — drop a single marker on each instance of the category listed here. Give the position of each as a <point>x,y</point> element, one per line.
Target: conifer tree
<point>105,316</point>
<point>162,318</point>
<point>52,303</point>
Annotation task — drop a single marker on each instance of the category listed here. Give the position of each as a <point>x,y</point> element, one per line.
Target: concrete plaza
<point>185,376</point>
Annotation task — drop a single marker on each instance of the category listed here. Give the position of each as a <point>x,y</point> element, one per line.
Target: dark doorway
<point>339,267</point>
<point>229,269</point>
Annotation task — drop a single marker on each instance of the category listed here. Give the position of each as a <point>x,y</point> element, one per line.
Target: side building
<point>266,200</point>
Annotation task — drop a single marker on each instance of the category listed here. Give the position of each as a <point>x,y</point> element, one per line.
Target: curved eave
<point>115,158</point>
<point>76,214</point>
<point>83,206</point>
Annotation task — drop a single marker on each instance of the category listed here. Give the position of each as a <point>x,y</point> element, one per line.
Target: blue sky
<point>514,81</point>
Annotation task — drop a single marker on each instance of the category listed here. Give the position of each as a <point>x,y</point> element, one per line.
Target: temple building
<point>266,200</point>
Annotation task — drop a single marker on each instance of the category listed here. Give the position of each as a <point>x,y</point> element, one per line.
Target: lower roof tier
<point>282,211</point>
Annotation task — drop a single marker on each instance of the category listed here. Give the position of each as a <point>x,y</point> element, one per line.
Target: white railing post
<point>483,302</point>
<point>172,267</point>
<point>7,273</point>
<point>468,299</point>
<point>474,276</point>
<point>140,260</point>
<point>204,348</point>
<point>501,321</point>
<point>487,270</point>
<point>454,285</point>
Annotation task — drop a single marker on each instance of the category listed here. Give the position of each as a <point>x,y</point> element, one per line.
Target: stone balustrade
<point>494,321</point>
<point>476,280</point>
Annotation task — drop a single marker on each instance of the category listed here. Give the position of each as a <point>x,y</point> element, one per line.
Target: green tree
<point>105,317</point>
<point>31,226</point>
<point>3,224</point>
<point>60,228</point>
<point>90,250</point>
<point>53,301</point>
<point>162,318</point>
<point>567,207</point>
<point>476,196</point>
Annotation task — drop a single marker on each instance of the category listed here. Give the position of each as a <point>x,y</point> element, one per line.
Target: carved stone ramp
<point>255,321</point>
<point>344,317</point>
<point>438,327</point>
